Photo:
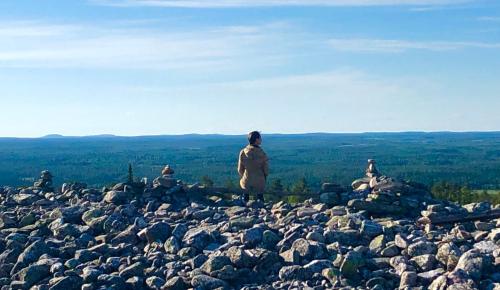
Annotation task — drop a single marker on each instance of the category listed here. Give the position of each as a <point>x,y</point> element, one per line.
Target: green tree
<point>484,196</point>
<point>277,186</point>
<point>130,176</point>
<point>207,181</point>
<point>230,184</point>
<point>300,186</point>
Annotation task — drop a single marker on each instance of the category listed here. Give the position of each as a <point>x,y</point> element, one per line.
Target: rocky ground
<point>166,236</point>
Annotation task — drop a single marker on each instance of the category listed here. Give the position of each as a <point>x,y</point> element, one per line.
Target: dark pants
<point>247,192</point>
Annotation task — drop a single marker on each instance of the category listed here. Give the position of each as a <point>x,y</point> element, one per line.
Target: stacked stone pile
<point>45,181</point>
<point>160,237</point>
<point>383,195</point>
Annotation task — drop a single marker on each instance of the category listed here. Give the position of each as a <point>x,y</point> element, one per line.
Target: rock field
<point>165,235</point>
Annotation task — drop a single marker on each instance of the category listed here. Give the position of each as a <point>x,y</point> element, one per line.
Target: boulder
<point>116,197</point>
<point>295,272</point>
<point>473,263</point>
<point>330,198</point>
<point>205,282</point>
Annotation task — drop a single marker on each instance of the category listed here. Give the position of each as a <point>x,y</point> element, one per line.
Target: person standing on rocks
<point>253,167</point>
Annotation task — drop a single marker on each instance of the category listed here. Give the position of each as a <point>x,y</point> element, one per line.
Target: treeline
<point>462,194</point>
<point>441,190</point>
<point>276,185</point>
<point>298,163</point>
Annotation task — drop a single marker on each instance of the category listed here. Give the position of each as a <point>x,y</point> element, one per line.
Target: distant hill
<point>52,136</point>
<point>58,136</point>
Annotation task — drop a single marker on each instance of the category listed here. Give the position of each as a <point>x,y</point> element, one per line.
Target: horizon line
<point>106,135</point>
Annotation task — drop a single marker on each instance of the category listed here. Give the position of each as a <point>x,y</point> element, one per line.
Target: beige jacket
<point>253,168</point>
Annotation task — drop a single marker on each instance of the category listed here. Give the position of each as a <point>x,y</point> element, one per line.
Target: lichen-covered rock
<point>205,282</point>
<point>473,263</point>
<point>351,264</point>
<point>421,248</point>
<point>175,283</point>
<point>116,197</point>
<point>294,272</point>
<point>448,255</point>
<point>408,279</point>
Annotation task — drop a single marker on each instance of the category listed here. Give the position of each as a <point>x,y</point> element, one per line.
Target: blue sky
<point>140,67</point>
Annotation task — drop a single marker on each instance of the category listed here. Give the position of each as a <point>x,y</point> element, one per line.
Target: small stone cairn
<point>166,180</point>
<point>386,195</point>
<point>45,182</point>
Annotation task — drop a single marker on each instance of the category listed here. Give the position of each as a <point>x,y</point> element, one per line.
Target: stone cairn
<point>45,181</point>
<point>163,236</point>
<point>166,180</point>
<point>385,195</point>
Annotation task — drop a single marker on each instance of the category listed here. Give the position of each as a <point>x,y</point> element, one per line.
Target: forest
<point>445,162</point>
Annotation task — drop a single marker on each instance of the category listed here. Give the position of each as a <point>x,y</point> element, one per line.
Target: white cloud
<point>31,44</point>
<point>23,29</point>
<point>264,3</point>
<point>397,46</point>
<point>489,19</point>
<point>45,45</point>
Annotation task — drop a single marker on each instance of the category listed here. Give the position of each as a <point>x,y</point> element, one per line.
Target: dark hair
<point>253,136</point>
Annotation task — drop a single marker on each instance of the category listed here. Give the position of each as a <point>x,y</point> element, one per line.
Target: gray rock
<point>25,198</point>
<point>315,236</point>
<point>390,251</point>
<point>330,198</point>
<point>291,256</point>
<point>172,245</point>
<point>317,266</point>
<point>179,231</point>
<point>269,239</point>
<point>430,276</point>
<point>34,273</point>
<point>155,282</point>
<point>157,232</point>
<point>494,235</point>
<point>240,258</point>
<point>370,229</point>
<point>377,244</point>
<point>197,238</point>
<point>309,250</point>
<point>473,263</point>
<point>408,279</point>
<point>294,272</point>
<point>400,242</point>
<point>94,218</point>
<point>252,237</point>
<point>203,214</point>
<point>128,236</point>
<point>205,282</point>
<point>242,222</point>
<point>175,283</point>
<point>306,212</point>
<point>421,248</point>
<point>448,255</point>
<point>215,263</point>
<point>116,197</point>
<point>484,226</point>
<point>439,283</point>
<point>90,275</point>
<point>30,255</point>
<point>424,262</point>
<point>351,263</point>
<point>136,269</point>
<point>67,283</point>
<point>487,247</point>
